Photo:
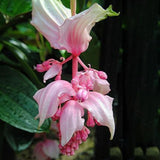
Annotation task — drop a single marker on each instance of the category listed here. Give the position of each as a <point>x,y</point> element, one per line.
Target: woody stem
<point>73,7</point>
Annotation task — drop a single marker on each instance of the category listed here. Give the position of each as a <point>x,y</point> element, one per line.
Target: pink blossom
<point>63,31</point>
<point>38,152</point>
<point>100,107</point>
<point>70,116</point>
<point>60,100</point>
<point>51,149</point>
<point>45,66</point>
<point>71,121</point>
<point>49,98</point>
<point>73,144</point>
<point>94,80</point>
<point>52,67</point>
<point>54,70</point>
<point>46,150</point>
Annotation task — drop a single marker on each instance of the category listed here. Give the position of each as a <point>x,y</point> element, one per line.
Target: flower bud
<point>82,95</point>
<point>102,75</point>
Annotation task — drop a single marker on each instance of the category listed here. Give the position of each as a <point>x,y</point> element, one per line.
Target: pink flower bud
<point>102,75</point>
<point>39,68</point>
<point>90,121</point>
<point>45,66</point>
<point>82,95</point>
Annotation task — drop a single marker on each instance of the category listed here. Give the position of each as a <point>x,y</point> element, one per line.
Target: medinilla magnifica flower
<point>63,101</point>
<point>63,31</point>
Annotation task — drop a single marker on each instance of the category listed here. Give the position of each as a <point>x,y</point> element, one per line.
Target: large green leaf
<point>66,3</point>
<point>17,106</point>
<point>18,139</point>
<point>20,52</point>
<point>15,7</point>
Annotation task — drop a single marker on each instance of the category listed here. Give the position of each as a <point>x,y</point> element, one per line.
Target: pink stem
<point>66,60</point>
<point>74,66</point>
<point>82,64</point>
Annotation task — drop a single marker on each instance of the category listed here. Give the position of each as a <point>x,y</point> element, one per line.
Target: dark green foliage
<point>17,106</point>
<point>18,139</point>
<point>15,7</point>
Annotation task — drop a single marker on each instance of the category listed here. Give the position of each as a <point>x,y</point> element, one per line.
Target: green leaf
<point>110,12</point>
<point>18,140</point>
<point>2,20</point>
<point>66,3</point>
<point>4,59</point>
<point>15,7</point>
<point>17,106</point>
<point>27,55</point>
<point>19,54</point>
<point>80,5</point>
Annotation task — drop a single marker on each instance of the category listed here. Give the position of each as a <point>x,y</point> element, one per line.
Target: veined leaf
<point>17,106</point>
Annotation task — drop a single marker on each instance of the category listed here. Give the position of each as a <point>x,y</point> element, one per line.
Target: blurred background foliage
<point>126,47</point>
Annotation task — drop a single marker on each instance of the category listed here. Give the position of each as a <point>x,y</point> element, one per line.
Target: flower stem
<point>82,64</point>
<point>73,7</point>
<point>66,60</point>
<point>74,66</point>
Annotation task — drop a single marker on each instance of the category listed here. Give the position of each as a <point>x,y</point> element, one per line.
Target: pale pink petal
<point>51,149</point>
<point>100,107</point>
<point>53,71</point>
<point>48,98</point>
<point>70,120</point>
<point>101,86</point>
<point>47,16</point>
<point>54,21</point>
<point>75,31</point>
<point>38,152</point>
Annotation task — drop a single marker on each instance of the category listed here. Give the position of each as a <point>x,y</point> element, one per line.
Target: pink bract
<point>62,30</point>
<point>71,120</point>
<point>49,98</point>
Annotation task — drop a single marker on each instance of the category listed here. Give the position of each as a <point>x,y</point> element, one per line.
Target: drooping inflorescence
<point>64,101</point>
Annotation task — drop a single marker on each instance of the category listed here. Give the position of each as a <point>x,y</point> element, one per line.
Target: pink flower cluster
<point>65,103</point>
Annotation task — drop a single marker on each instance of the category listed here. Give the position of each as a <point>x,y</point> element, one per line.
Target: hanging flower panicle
<point>64,101</point>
